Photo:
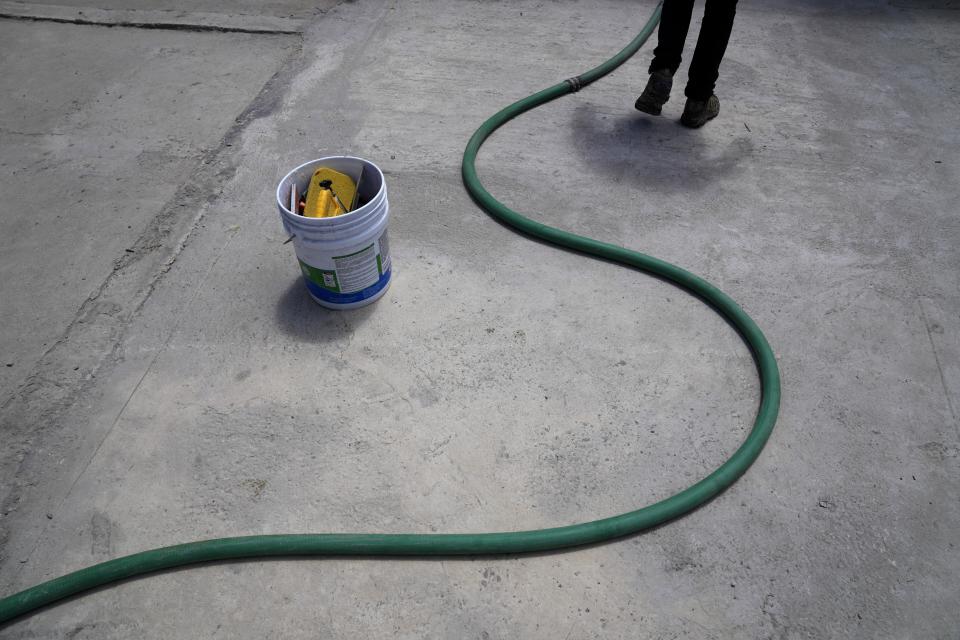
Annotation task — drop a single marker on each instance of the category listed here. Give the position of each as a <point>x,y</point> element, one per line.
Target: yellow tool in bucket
<point>327,194</point>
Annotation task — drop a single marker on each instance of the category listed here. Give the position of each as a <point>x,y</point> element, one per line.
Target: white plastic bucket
<point>345,260</point>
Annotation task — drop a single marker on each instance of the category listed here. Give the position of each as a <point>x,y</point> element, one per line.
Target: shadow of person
<point>300,317</point>
<point>655,153</point>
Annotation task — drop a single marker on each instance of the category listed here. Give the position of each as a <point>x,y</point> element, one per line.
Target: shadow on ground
<point>654,153</point>
<point>299,316</point>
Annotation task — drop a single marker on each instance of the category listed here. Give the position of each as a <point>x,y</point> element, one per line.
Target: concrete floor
<point>168,379</point>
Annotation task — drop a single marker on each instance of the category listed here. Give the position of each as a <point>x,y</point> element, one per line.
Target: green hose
<point>477,543</point>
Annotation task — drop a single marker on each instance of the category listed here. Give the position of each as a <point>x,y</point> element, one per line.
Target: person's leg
<point>671,34</point>
<point>702,105</point>
<point>674,23</point>
<point>711,45</point>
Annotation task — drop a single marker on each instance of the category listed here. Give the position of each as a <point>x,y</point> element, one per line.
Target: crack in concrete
<point>257,23</point>
<point>936,359</point>
<point>171,26</point>
<point>92,341</point>
<point>39,539</point>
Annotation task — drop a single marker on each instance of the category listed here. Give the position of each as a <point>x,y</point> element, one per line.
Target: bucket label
<point>350,277</point>
<point>383,258</point>
<point>357,270</point>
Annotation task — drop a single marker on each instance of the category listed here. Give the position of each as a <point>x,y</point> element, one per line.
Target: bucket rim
<point>346,217</point>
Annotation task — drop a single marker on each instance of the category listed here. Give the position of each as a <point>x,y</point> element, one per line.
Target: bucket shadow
<point>300,317</point>
<point>655,153</point>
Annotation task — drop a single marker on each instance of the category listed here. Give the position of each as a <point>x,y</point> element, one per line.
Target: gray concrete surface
<point>502,384</point>
<point>277,16</point>
<point>99,127</point>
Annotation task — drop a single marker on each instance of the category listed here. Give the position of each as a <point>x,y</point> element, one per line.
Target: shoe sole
<point>652,109</point>
<point>704,117</point>
<point>696,124</point>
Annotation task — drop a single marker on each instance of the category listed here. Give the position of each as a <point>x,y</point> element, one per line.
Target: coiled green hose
<point>477,543</point>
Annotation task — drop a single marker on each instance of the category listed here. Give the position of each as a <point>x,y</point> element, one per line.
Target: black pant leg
<point>711,45</point>
<point>671,34</point>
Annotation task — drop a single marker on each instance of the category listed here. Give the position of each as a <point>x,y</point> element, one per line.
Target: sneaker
<point>656,93</point>
<point>696,113</point>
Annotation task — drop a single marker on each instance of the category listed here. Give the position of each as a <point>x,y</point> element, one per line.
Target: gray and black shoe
<point>656,93</point>
<point>697,113</point>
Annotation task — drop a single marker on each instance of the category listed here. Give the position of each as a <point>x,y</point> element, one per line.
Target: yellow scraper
<point>327,193</point>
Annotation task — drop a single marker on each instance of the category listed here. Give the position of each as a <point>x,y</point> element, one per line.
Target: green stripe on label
<point>321,277</point>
